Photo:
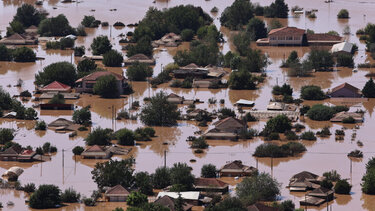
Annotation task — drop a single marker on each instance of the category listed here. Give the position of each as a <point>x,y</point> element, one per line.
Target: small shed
<point>116,194</point>
<point>245,103</point>
<point>342,48</point>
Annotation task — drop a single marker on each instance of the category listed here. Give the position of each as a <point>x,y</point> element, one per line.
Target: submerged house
<point>18,39</point>
<point>228,128</point>
<point>323,193</point>
<point>293,36</point>
<point>210,185</point>
<point>169,202</point>
<point>190,197</point>
<point>55,87</point>
<point>237,169</point>
<point>174,98</point>
<point>339,117</point>
<point>86,84</point>
<point>26,156</point>
<point>191,70</point>
<point>141,58</point>
<point>116,194</point>
<point>168,40</point>
<point>308,176</point>
<point>96,152</point>
<point>302,184</point>
<point>345,90</point>
<point>10,154</point>
<point>261,207</point>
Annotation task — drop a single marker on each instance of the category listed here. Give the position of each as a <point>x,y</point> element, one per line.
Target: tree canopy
<point>106,86</point>
<point>241,80</point>
<point>55,26</point>
<point>101,45</point>
<point>159,111</point>
<point>112,58</point>
<point>208,171</point>
<point>256,28</point>
<point>63,72</point>
<point>82,116</point>
<point>237,15</point>
<point>181,177</point>
<point>46,196</point>
<point>321,59</point>
<point>99,136</point>
<point>277,9</point>
<point>139,72</point>
<point>28,15</point>
<point>369,89</point>
<point>312,92</point>
<point>24,54</point>
<point>278,124</point>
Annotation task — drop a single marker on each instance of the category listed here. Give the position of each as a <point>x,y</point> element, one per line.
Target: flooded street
<point>322,155</point>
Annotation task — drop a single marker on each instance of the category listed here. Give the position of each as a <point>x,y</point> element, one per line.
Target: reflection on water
<point>322,155</point>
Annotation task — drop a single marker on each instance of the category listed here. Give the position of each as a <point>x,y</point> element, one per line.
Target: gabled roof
<point>32,27</point>
<point>95,75</point>
<point>339,117</point>
<point>230,121</point>
<point>284,31</point>
<point>173,95</point>
<point>56,86</point>
<point>210,182</point>
<point>190,66</point>
<point>344,46</point>
<point>60,122</point>
<point>94,148</point>
<point>16,36</point>
<point>117,190</point>
<point>347,86</point>
<point>234,165</point>
<point>305,175</point>
<point>321,190</point>
<point>168,202</point>
<point>13,150</point>
<point>261,207</point>
<point>139,57</point>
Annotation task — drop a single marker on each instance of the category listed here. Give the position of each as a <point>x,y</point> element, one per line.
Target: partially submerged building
<point>228,128</point>
<point>190,197</point>
<point>345,90</point>
<point>169,203</point>
<point>210,185</point>
<point>237,169</point>
<point>87,83</point>
<point>10,154</point>
<point>18,39</point>
<point>302,184</point>
<point>339,117</point>
<point>116,194</point>
<point>342,48</point>
<point>168,40</point>
<point>191,70</point>
<point>96,152</point>
<point>55,87</point>
<point>141,58</point>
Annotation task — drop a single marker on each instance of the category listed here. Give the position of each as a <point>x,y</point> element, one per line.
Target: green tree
<point>139,72</point>
<point>30,114</point>
<point>320,112</point>
<point>278,124</point>
<point>88,21</point>
<point>24,54</point>
<point>161,178</point>
<point>208,171</point>
<point>143,182</point>
<point>229,204</point>
<point>106,87</point>
<point>242,42</point>
<point>179,203</point>
<point>57,99</point>
<point>343,14</point>
<point>5,53</point>
<point>82,116</point>
<point>112,58</point>
<point>6,101</point>
<point>28,15</point>
<point>99,136</point>
<point>46,196</point>
<point>55,26</point>
<point>342,187</point>
<point>159,111</point>
<point>252,189</point>
<point>369,89</point>
<point>70,196</point>
<point>63,72</point>
<point>278,9</point>
<point>136,199</point>
<point>114,172</point>
<point>187,34</point>
<point>312,92</point>
<point>125,137</point>
<point>237,15</point>
<point>321,59</point>
<point>345,60</point>
<point>78,150</point>
<point>6,135</point>
<point>143,46</point>
<point>257,28</point>
<point>181,177</point>
<point>285,89</point>
<point>201,53</point>
<point>241,80</point>
<point>15,27</point>
<point>101,45</point>
<point>86,66</point>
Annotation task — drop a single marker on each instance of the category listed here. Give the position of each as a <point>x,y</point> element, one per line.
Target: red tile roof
<point>231,120</point>
<point>348,86</point>
<point>95,75</point>
<point>210,182</point>
<point>287,31</point>
<point>56,86</point>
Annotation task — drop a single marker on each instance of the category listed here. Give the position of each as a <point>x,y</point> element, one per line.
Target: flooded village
<point>187,105</point>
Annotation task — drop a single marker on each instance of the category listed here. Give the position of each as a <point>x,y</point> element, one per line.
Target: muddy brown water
<point>322,155</point>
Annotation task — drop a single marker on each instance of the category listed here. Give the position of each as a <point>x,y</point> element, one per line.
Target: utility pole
<point>63,158</point>
<point>272,166</point>
<point>165,158</point>
<point>110,31</point>
<point>257,163</point>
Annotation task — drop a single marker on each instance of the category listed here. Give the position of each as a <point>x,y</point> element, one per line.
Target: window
<point>280,38</point>
<point>289,38</point>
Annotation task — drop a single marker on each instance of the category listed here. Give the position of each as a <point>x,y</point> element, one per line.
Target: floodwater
<point>322,155</point>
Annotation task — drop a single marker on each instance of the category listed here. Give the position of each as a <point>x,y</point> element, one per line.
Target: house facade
<point>237,169</point>
<point>96,152</point>
<point>86,84</point>
<point>345,90</point>
<point>116,194</point>
<point>287,36</point>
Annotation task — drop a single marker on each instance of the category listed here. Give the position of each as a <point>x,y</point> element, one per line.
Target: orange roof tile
<point>56,86</point>
<point>287,31</point>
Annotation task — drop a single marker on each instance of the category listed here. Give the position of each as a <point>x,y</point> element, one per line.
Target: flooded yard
<point>65,171</point>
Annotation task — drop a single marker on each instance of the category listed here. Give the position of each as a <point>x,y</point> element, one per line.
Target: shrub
<point>63,72</point>
<point>285,150</point>
<point>249,118</point>
<point>101,45</point>
<point>149,131</point>
<point>79,51</point>
<point>320,112</point>
<point>77,150</point>
<point>81,31</point>
<point>345,60</point>
<point>312,92</point>
<point>57,99</point>
<point>285,89</point>
<point>326,184</point>
<point>46,196</point>
<point>40,125</point>
<point>291,135</point>
<point>342,187</point>
<point>55,26</point>
<point>332,175</point>
<point>369,89</point>
<point>6,135</point>
<point>349,120</point>
<point>199,143</point>
<point>136,199</point>
<point>88,21</point>
<point>24,54</point>
<point>226,112</point>
<point>343,14</point>
<point>112,58</point>
<point>89,202</point>
<point>25,93</point>
<point>340,133</point>
<point>139,72</point>
<point>356,154</point>
<point>105,24</point>
<point>29,188</point>
<point>119,24</point>
<point>308,135</point>
<point>70,196</point>
<point>125,137</point>
<point>187,34</point>
<point>278,124</point>
<point>324,132</point>
<point>106,87</point>
<point>82,116</point>
<point>99,136</point>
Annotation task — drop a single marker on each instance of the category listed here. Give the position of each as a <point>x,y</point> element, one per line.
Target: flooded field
<point>322,155</point>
